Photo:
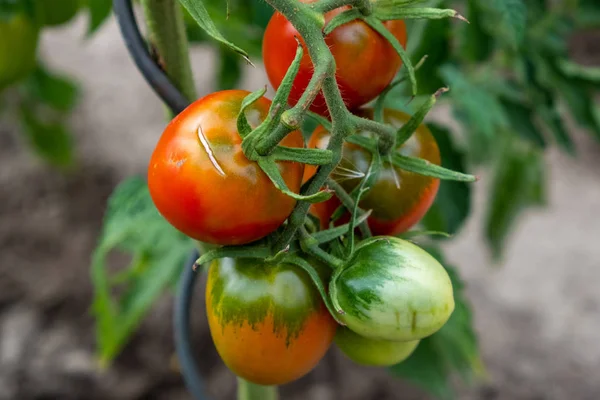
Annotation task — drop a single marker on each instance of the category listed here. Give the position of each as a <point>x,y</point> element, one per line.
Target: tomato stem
<point>251,391</point>
<point>364,6</point>
<point>168,38</point>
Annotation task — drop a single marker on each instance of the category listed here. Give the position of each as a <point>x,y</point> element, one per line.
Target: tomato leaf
<point>508,17</point>
<point>198,11</point>
<point>133,225</point>
<point>477,108</point>
<point>452,204</point>
<point>518,183</point>
<point>477,43</point>
<point>57,91</point>
<point>99,11</point>
<point>452,350</point>
<point>522,120</point>
<point>52,141</point>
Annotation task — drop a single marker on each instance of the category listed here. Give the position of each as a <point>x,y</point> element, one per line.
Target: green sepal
<point>328,235</point>
<point>302,155</point>
<point>407,130</point>
<point>311,246</point>
<point>270,168</point>
<point>243,126</point>
<point>252,251</point>
<point>342,19</point>
<point>283,92</point>
<point>364,142</point>
<point>348,202</point>
<point>376,24</point>
<point>386,14</point>
<point>314,276</point>
<point>426,168</point>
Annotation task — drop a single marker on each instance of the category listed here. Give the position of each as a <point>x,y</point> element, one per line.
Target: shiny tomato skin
<point>268,322</point>
<point>366,62</point>
<point>395,208</point>
<point>373,352</point>
<point>203,184</point>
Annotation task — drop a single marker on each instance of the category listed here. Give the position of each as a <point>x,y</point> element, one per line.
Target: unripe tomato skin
<point>398,199</point>
<point>366,62</point>
<point>268,322</point>
<point>373,352</point>
<point>391,289</point>
<point>55,12</point>
<point>203,184</point>
<point>18,46</point>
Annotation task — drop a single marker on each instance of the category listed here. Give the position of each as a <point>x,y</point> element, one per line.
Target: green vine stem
<point>252,391</point>
<point>168,39</point>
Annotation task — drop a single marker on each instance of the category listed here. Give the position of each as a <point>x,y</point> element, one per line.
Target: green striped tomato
<point>268,322</point>
<point>391,289</point>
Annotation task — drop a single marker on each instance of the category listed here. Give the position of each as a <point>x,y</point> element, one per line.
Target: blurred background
<point>536,308</point>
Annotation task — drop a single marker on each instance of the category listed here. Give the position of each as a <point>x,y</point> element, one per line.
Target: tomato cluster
<point>270,322</point>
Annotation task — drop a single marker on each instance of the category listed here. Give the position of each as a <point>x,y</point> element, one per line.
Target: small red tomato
<point>366,62</point>
<point>398,199</point>
<point>203,184</point>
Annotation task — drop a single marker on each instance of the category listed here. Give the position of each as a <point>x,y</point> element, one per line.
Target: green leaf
<point>133,225</point>
<point>198,12</point>
<point>99,12</point>
<point>52,141</point>
<point>522,120</point>
<point>57,91</point>
<point>452,204</point>
<point>508,17</point>
<point>478,109</point>
<point>230,70</point>
<point>477,43</point>
<point>404,13</point>
<point>518,183</point>
<point>453,350</point>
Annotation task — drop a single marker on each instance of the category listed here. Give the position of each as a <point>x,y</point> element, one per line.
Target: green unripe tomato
<point>55,12</point>
<point>18,44</point>
<point>373,352</point>
<point>391,289</point>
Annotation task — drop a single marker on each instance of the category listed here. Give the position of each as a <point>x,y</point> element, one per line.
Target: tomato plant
<point>268,322</point>
<point>398,198</point>
<point>199,177</point>
<point>391,289</point>
<point>17,48</point>
<point>55,12</point>
<point>366,62</point>
<point>373,352</point>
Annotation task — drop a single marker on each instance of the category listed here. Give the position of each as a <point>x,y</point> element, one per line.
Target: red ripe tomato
<point>203,184</point>
<point>399,199</point>
<point>366,62</point>
<point>268,322</point>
